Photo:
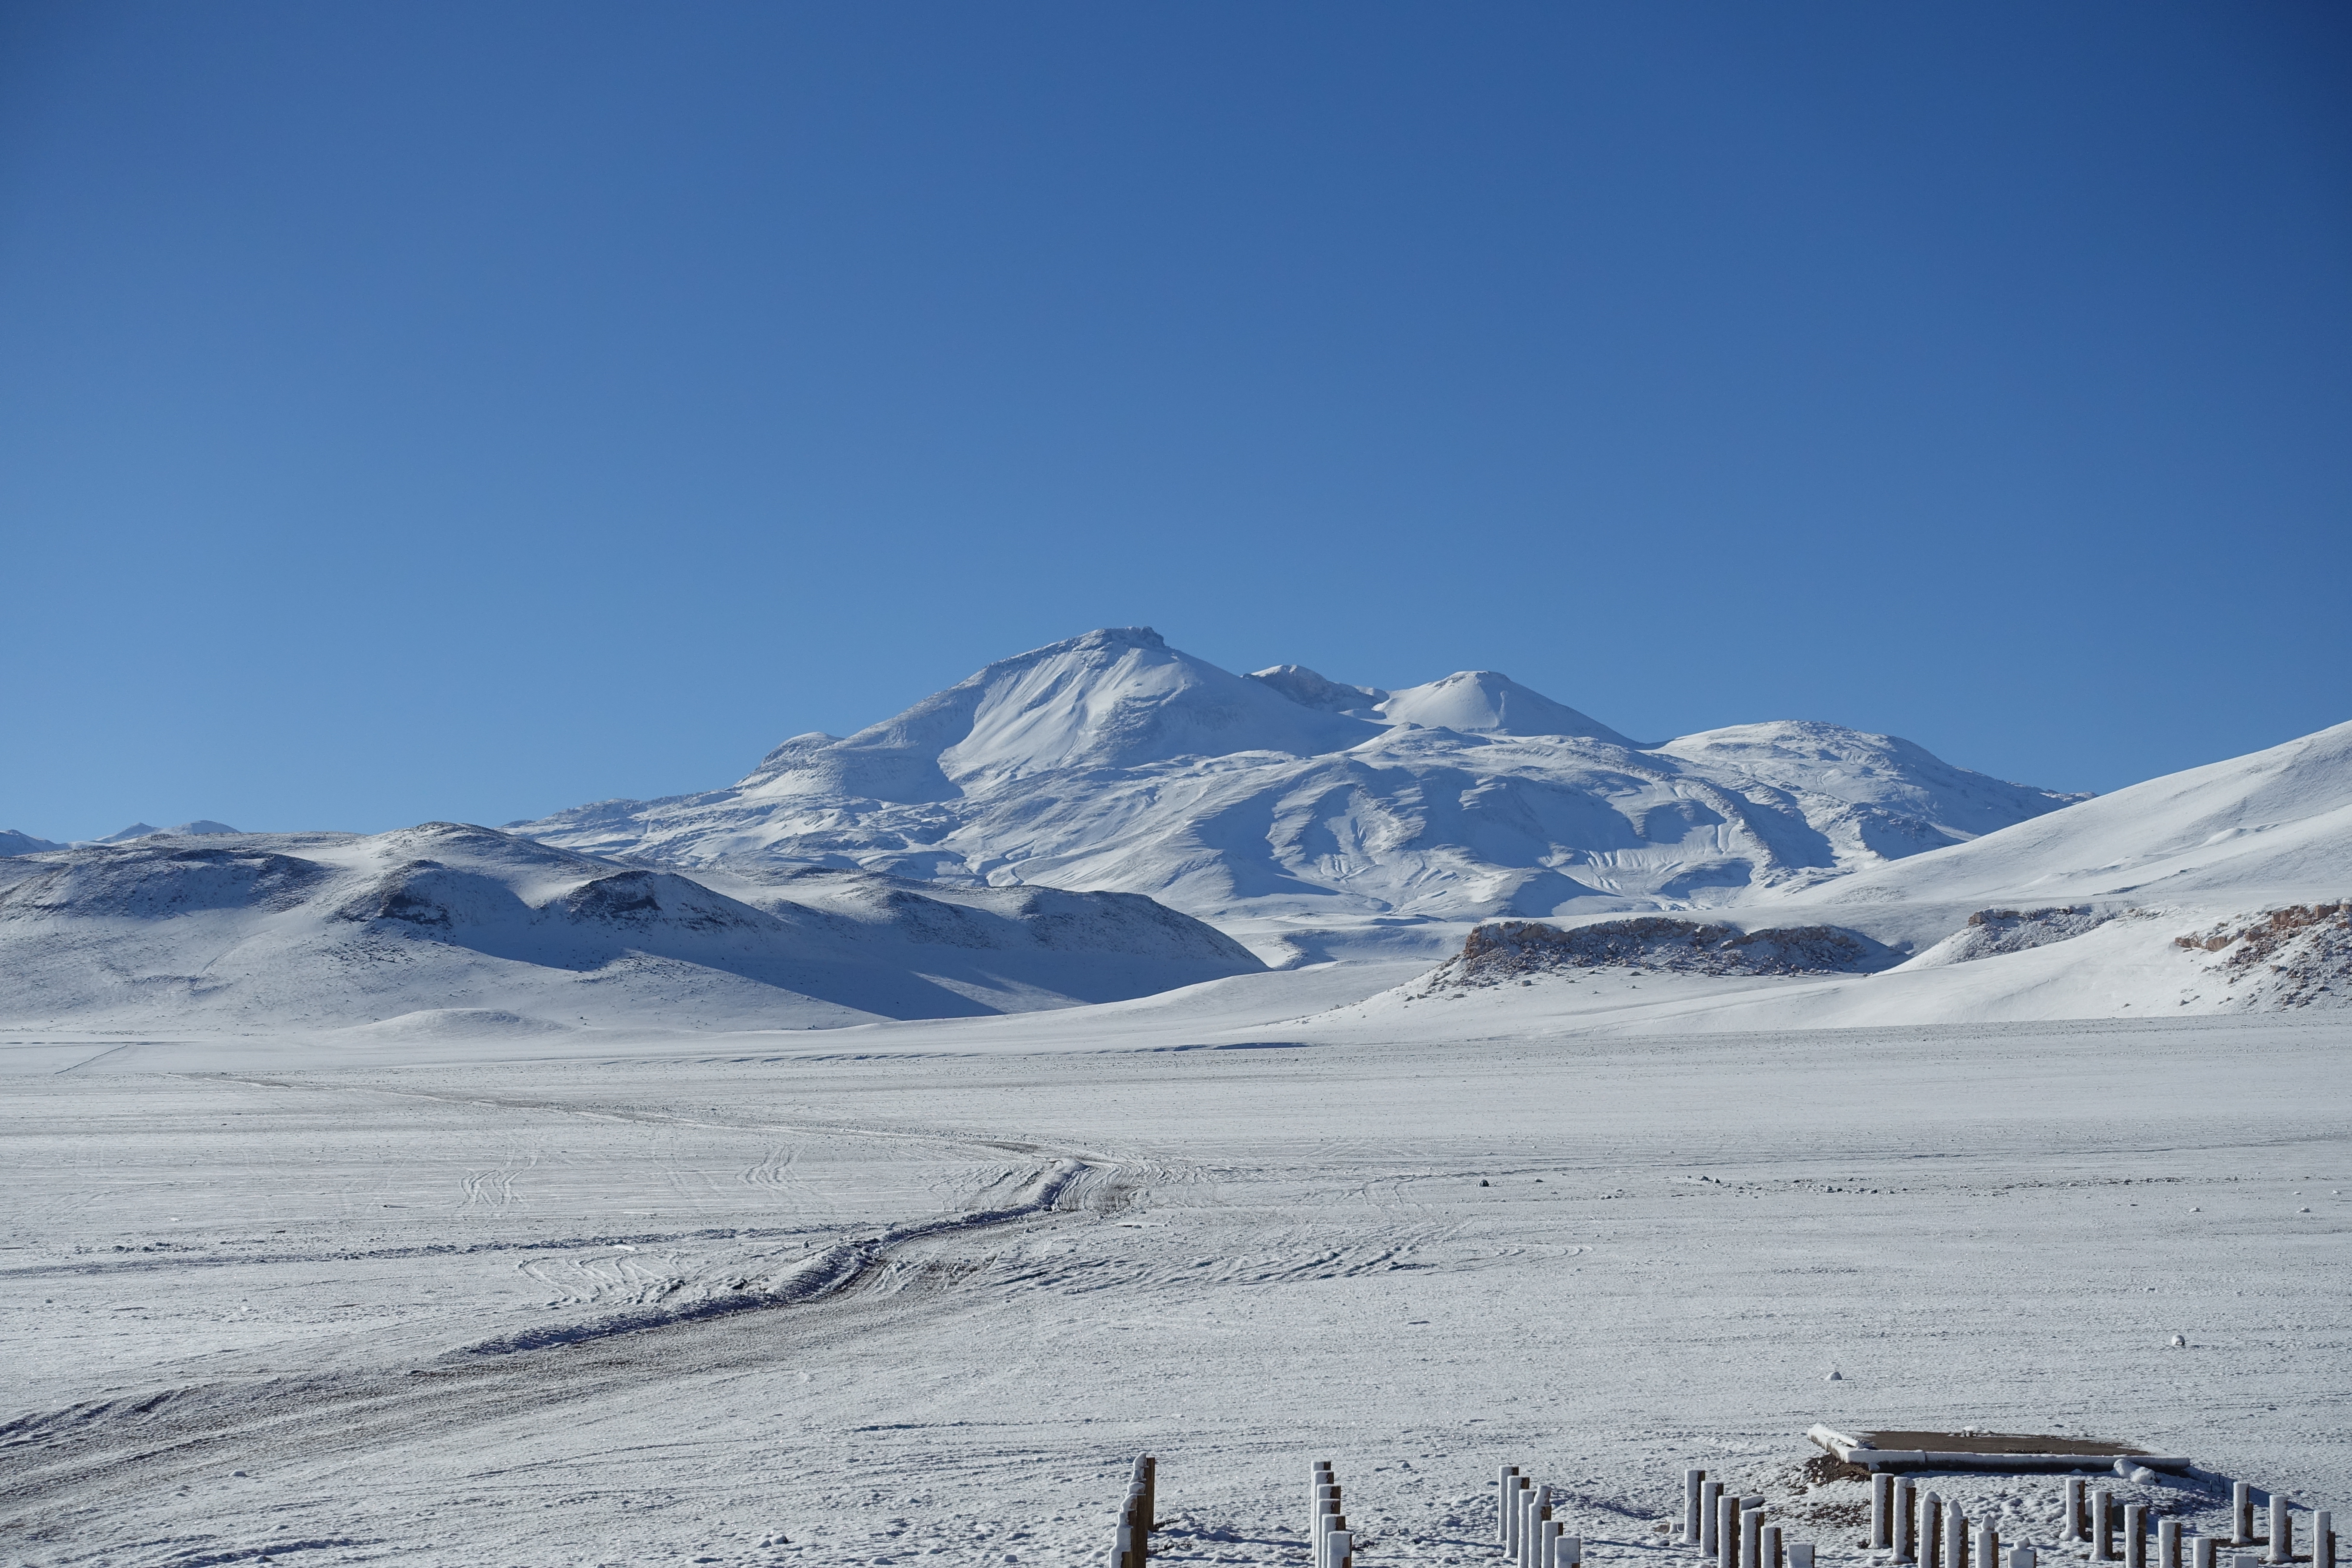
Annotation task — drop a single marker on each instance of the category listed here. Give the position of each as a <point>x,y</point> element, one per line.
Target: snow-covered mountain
<point>2223,888</point>
<point>1284,802</point>
<point>474,929</point>
<point>15,842</point>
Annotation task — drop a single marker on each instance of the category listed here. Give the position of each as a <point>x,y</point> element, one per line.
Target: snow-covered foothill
<point>477,929</point>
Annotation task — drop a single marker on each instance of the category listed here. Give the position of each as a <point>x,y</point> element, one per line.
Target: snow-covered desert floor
<point>920,1291</point>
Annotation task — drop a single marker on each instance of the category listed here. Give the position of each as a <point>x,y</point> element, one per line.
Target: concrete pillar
<point>1710,1500</point>
<point>2078,1523</point>
<point>1693,1480</point>
<point>2241,1514</point>
<point>1931,1531</point>
<point>1882,1511</point>
<point>1506,1484</point>
<point>2282,1532</point>
<point>1906,1526</point>
<point>1751,1538</point>
<point>2135,1535</point>
<point>2167,1543</point>
<point>1726,1531</point>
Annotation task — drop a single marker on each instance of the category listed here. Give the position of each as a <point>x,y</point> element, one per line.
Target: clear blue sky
<point>414,411</point>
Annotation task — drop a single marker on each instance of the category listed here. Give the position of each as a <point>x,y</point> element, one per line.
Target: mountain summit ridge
<point>1114,760</point>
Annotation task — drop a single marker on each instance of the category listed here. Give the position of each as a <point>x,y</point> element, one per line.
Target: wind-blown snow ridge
<point>1290,800</point>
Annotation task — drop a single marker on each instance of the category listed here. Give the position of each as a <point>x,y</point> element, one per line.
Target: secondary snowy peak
<point>1119,698</point>
<point>1308,689</point>
<point>15,842</point>
<point>1480,701</point>
<point>200,828</point>
<point>1473,702</point>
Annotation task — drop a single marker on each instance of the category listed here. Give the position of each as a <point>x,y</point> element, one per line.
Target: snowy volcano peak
<point>1116,698</point>
<point>1486,702</point>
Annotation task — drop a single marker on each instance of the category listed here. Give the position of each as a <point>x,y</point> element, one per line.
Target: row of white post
<point>1523,1527</point>
<point>1138,1514</point>
<point>1934,1532</point>
<point>1329,1543</point>
<point>1732,1530</point>
<point>2094,1517</point>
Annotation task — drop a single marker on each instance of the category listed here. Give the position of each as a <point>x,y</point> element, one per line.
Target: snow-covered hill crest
<point>1286,800</point>
<point>334,930</point>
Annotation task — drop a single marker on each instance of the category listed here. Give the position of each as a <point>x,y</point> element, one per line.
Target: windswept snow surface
<point>449,927</point>
<point>917,1291</point>
<point>1308,816</point>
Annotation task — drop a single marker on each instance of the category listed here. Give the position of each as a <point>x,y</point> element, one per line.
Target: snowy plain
<point>266,1297</point>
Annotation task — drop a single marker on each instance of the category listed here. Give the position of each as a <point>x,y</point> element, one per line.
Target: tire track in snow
<point>830,1269</point>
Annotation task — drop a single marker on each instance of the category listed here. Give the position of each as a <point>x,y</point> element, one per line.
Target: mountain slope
<point>1283,800</point>
<point>327,931</point>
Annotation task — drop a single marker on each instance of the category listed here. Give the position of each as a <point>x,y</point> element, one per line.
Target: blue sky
<point>453,411</point>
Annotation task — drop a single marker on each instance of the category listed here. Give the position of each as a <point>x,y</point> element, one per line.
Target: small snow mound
<point>1991,932</point>
<point>457,1024</point>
